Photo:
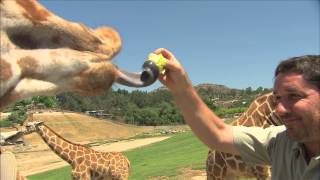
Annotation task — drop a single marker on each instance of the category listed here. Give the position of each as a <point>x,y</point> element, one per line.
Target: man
<point>293,150</point>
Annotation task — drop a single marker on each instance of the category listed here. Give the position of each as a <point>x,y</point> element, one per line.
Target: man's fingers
<point>165,53</point>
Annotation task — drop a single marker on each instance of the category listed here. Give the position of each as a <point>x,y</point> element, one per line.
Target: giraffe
<point>220,165</point>
<point>8,161</point>
<point>86,163</point>
<point>44,54</point>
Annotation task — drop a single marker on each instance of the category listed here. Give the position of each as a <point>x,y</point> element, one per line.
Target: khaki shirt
<point>272,146</point>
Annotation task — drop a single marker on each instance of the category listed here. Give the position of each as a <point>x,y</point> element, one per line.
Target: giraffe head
<point>32,126</point>
<point>44,54</point>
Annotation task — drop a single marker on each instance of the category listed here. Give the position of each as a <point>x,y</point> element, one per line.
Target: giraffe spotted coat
<point>86,163</point>
<point>222,166</point>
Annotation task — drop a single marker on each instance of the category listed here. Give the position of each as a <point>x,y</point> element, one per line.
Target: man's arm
<point>209,128</point>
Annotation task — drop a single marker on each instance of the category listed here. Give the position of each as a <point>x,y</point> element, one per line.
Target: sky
<point>236,43</point>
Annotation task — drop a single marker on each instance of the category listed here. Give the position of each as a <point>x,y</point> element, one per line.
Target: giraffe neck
<point>62,147</point>
<point>260,113</point>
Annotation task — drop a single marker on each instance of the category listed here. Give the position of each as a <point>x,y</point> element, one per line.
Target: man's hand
<point>174,77</point>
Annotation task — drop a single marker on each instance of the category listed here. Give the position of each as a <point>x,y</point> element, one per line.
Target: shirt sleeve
<point>252,143</point>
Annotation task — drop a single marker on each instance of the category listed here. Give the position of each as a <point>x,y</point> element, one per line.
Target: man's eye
<point>277,99</point>
<point>294,96</point>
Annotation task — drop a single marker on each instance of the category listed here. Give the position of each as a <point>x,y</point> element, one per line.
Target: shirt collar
<point>297,148</point>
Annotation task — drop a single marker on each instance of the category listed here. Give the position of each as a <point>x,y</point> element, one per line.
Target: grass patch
<point>60,173</point>
<point>159,159</point>
<point>166,157</point>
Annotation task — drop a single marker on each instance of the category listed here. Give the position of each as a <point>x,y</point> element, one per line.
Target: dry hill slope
<point>37,157</point>
<point>81,128</point>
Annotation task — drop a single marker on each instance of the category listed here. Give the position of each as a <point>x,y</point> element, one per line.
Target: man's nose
<point>282,108</point>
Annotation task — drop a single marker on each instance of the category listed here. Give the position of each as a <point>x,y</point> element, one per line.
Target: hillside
<point>81,128</point>
<point>37,157</point>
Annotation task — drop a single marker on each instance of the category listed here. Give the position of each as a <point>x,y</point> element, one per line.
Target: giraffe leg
<point>20,176</point>
<point>216,166</point>
<point>80,175</point>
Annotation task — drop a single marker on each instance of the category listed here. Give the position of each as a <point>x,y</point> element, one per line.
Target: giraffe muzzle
<point>146,77</point>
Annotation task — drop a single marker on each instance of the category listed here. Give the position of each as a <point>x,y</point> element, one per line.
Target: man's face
<point>298,104</point>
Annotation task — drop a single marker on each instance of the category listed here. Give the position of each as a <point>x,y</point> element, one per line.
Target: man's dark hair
<point>308,66</point>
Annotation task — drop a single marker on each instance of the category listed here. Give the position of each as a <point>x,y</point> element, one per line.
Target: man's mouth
<point>289,122</point>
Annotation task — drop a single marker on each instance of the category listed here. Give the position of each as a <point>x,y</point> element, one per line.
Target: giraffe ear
<point>110,38</point>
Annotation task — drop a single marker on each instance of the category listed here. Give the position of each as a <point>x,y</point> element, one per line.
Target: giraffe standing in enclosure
<point>86,163</point>
<point>220,165</point>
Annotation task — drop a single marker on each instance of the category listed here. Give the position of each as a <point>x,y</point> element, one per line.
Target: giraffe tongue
<point>141,79</point>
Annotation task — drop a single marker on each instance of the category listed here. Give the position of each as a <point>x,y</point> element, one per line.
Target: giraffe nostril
<point>150,72</point>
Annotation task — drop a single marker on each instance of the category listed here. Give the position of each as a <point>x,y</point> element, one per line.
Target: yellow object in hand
<point>159,60</point>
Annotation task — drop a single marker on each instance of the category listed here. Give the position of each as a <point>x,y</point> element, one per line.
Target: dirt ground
<point>36,157</point>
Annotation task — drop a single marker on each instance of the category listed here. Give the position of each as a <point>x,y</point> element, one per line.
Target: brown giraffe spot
<point>5,70</point>
<point>79,160</point>
<point>216,169</point>
<point>260,168</point>
<point>93,157</point>
<point>34,13</point>
<point>27,65</point>
<point>248,122</point>
<point>112,168</point>
<point>24,41</point>
<point>86,151</point>
<point>96,80</point>
<point>232,163</point>
<point>87,163</point>
<point>224,171</point>
<point>94,165</point>
<point>58,149</point>
<point>80,148</point>
<point>82,167</point>
<point>262,99</point>
<point>251,109</point>
<point>100,161</point>
<point>242,166</point>
<point>58,141</point>
<point>56,39</point>
<point>228,155</point>
<point>83,176</point>
<point>87,156</point>
<point>266,110</point>
<point>80,153</point>
<point>72,155</point>
<point>238,158</point>
<point>64,145</point>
